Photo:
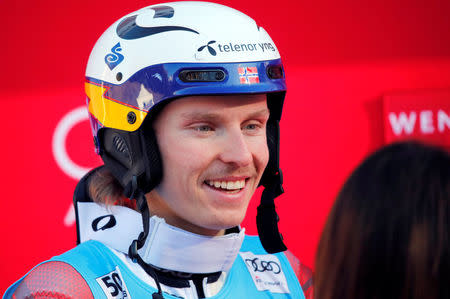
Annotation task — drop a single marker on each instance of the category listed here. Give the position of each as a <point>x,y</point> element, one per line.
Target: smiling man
<point>214,152</point>
<point>187,132</point>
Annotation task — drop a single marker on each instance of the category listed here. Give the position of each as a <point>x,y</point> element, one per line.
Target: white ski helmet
<point>166,51</point>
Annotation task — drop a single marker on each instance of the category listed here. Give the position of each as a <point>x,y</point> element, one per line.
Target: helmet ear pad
<point>275,105</point>
<point>132,157</point>
<point>273,143</point>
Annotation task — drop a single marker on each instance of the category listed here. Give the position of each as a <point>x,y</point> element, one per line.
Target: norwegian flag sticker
<point>248,75</point>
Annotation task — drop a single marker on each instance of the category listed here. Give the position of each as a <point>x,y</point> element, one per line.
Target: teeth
<point>227,185</point>
<point>231,186</point>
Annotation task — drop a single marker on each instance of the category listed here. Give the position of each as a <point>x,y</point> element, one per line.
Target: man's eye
<point>203,128</point>
<point>252,127</point>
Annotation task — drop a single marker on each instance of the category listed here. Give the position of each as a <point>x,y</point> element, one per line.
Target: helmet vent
<point>121,146</point>
<point>202,75</point>
<point>275,72</point>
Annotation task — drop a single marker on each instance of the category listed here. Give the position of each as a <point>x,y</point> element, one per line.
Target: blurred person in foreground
<point>185,100</point>
<point>387,235</point>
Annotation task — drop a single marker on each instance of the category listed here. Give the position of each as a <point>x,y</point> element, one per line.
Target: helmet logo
<point>163,11</point>
<point>114,58</point>
<point>210,49</point>
<point>248,75</point>
<point>128,29</point>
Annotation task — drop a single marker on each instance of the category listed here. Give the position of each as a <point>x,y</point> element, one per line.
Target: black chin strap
<point>141,203</point>
<point>267,217</point>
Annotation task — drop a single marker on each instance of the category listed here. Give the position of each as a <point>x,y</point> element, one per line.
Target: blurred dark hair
<point>105,189</point>
<point>387,235</point>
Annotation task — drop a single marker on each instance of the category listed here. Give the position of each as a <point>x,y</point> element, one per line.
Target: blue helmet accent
<point>165,81</point>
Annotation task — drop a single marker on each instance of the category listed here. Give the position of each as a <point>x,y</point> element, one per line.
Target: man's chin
<point>226,224</point>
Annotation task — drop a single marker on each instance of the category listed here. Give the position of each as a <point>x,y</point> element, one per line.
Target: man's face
<point>214,152</point>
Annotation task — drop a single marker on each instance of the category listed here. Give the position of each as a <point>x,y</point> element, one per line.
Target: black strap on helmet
<point>267,217</point>
<point>272,180</point>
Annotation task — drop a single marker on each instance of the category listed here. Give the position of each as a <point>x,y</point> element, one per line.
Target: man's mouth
<point>230,186</point>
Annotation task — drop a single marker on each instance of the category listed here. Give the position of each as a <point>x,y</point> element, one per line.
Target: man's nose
<point>235,149</point>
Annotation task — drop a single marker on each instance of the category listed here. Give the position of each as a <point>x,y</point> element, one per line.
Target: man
<point>184,100</point>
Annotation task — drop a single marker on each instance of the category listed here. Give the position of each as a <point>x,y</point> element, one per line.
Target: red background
<point>341,57</point>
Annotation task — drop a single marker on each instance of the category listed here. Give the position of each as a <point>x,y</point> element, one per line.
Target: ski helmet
<point>166,51</point>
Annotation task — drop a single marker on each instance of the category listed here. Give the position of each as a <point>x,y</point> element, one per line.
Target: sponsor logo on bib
<point>266,272</point>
